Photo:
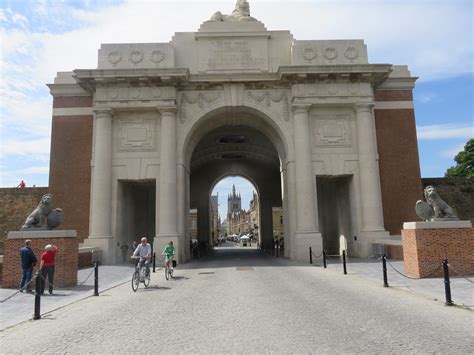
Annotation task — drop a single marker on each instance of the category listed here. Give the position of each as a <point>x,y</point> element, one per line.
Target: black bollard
<point>154,261</point>
<point>324,259</point>
<point>37,314</point>
<point>344,261</point>
<point>277,250</point>
<point>447,286</point>
<point>384,267</point>
<point>310,256</point>
<point>96,278</point>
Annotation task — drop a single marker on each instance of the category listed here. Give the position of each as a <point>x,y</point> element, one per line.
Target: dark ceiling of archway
<point>234,143</point>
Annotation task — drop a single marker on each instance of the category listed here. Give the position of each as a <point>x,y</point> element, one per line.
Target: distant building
<point>240,221</point>
<point>193,217</point>
<point>254,212</point>
<point>277,214</point>
<point>214,218</point>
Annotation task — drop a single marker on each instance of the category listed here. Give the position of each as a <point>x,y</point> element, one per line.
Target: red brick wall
<point>425,249</point>
<point>16,205</point>
<point>70,170</point>
<point>399,165</point>
<point>72,101</point>
<point>394,252</point>
<point>393,95</point>
<point>65,263</point>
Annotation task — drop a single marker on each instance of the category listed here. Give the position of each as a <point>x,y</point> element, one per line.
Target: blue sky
<point>40,38</point>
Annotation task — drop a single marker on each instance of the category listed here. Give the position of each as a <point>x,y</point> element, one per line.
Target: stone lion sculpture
<point>241,13</point>
<point>43,216</point>
<point>434,209</point>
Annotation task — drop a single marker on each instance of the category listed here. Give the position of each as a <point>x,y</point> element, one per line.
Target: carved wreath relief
<point>157,56</point>
<point>267,97</point>
<point>136,57</point>
<point>199,99</point>
<point>115,57</point>
<point>309,54</point>
<point>330,53</point>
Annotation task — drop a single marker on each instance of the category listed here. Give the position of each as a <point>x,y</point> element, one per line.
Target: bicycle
<point>168,269</point>
<point>140,275</point>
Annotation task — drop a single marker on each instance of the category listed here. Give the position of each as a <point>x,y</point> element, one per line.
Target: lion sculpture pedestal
<point>427,244</point>
<point>66,262</point>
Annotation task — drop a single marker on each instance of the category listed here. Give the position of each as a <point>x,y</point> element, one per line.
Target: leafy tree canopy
<point>465,162</point>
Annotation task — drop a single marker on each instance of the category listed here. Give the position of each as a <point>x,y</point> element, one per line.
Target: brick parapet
<point>425,249</point>
<point>16,204</point>
<point>66,261</point>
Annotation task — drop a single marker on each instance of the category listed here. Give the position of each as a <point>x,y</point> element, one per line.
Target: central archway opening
<point>229,151</point>
<point>235,213</point>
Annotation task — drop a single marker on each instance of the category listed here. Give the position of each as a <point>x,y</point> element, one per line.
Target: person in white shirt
<point>143,250</point>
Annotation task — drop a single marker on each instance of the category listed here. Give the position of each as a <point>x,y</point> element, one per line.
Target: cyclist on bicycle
<point>169,252</point>
<point>143,250</point>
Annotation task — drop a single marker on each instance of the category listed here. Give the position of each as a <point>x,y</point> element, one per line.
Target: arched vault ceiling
<point>232,143</point>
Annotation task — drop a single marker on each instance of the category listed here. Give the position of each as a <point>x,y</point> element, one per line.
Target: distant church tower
<point>233,202</point>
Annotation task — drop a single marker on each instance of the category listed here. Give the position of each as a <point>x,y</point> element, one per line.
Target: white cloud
<point>25,147</point>
<point>3,18</point>
<point>453,151</point>
<point>445,131</point>
<point>35,170</point>
<point>426,97</point>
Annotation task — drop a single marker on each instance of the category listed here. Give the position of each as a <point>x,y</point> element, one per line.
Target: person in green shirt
<point>169,252</point>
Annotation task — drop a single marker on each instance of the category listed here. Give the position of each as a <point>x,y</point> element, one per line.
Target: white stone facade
<point>157,104</point>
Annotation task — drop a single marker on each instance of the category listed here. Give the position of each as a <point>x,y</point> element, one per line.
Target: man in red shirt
<point>47,267</point>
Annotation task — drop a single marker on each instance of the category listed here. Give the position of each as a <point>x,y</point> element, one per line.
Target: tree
<point>465,162</point>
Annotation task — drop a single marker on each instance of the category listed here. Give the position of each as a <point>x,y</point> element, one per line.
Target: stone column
<point>305,192</point>
<point>101,192</point>
<point>307,225</point>
<point>167,185</point>
<point>372,214</point>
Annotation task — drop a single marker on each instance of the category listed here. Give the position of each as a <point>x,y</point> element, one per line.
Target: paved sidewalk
<point>20,307</point>
<point>462,288</point>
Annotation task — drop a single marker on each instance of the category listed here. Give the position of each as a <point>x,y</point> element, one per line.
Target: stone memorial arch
<point>142,139</point>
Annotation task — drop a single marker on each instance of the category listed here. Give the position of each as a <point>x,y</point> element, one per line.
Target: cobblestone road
<point>244,302</point>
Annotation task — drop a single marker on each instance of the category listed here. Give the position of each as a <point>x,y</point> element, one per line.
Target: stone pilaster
<point>167,192</point>
<point>307,224</point>
<point>101,174</point>
<point>305,192</point>
<point>372,213</point>
<point>101,184</point>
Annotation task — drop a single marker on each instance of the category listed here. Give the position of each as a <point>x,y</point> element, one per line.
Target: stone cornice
<point>373,73</point>
<point>364,106</point>
<point>398,84</point>
<point>88,79</point>
<point>67,90</point>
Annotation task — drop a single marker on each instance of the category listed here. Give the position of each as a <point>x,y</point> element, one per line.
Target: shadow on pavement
<point>154,288</point>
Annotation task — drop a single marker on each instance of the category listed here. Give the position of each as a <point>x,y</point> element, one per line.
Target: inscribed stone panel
<point>235,53</point>
<point>136,132</point>
<point>332,131</point>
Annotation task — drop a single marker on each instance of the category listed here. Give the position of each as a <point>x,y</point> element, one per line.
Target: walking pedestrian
<point>28,261</point>
<point>47,267</point>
